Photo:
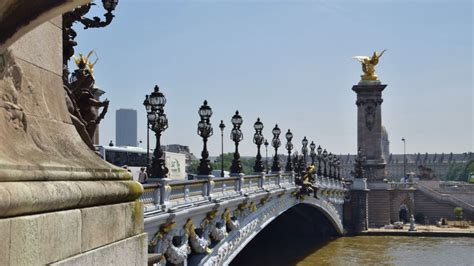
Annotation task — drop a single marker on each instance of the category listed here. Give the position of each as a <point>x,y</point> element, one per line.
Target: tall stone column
<point>369,127</point>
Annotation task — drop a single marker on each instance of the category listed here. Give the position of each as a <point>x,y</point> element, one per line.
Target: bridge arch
<point>251,226</point>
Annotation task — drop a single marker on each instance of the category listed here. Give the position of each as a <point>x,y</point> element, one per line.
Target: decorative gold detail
<point>368,65</point>
<point>265,199</point>
<point>209,217</point>
<point>189,228</point>
<point>253,207</point>
<point>226,216</point>
<point>164,229</point>
<point>83,62</point>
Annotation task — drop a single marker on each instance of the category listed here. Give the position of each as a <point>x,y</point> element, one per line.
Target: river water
<point>392,250</point>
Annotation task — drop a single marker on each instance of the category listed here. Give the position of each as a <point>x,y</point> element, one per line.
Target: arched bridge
<point>209,221</point>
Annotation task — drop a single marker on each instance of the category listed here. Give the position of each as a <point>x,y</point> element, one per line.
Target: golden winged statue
<point>83,62</point>
<point>368,65</point>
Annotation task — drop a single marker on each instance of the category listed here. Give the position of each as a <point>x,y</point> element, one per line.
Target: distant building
<point>177,148</point>
<point>126,127</point>
<point>424,165</point>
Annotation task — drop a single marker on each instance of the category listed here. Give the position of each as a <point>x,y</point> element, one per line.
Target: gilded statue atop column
<point>368,65</point>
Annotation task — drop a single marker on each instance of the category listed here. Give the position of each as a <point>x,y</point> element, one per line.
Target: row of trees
<point>247,164</point>
<point>460,171</point>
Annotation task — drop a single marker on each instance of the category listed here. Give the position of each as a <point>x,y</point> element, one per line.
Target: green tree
<point>460,171</point>
<point>247,164</point>
<point>458,212</point>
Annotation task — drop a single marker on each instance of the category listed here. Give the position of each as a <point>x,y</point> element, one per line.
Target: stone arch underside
<point>251,226</point>
<point>398,199</point>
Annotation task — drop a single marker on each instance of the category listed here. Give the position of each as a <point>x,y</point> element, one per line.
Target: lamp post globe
<point>319,151</point>
<point>266,155</point>
<point>304,149</point>
<point>222,126</point>
<point>312,146</point>
<point>289,146</point>
<point>258,140</point>
<point>158,123</point>
<point>205,131</point>
<point>236,136</point>
<point>276,143</point>
<point>330,158</point>
<point>325,155</point>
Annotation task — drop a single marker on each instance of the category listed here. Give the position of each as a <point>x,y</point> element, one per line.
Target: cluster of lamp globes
<point>157,121</point>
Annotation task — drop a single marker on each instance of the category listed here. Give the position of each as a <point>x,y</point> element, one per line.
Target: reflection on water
<point>393,250</point>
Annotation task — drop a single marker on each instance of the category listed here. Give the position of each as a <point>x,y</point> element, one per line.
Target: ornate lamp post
<point>276,143</point>
<point>222,126</point>
<point>312,146</point>
<point>304,150</point>
<point>157,121</point>
<point>338,165</point>
<point>359,164</point>
<point>289,147</point>
<point>325,155</point>
<point>205,131</point>
<point>236,136</point>
<point>147,105</point>
<point>319,150</point>
<point>404,158</point>
<point>330,158</point>
<point>78,15</point>
<point>266,154</point>
<point>258,140</point>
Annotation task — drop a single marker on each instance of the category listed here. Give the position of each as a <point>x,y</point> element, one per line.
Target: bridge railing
<point>170,194</point>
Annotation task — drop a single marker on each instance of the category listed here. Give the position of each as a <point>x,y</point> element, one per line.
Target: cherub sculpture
<point>368,65</point>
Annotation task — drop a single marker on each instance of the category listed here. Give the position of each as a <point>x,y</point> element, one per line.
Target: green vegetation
<point>247,164</point>
<point>460,171</point>
<point>458,212</point>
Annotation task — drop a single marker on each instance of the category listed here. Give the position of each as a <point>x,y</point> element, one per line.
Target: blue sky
<point>289,62</point>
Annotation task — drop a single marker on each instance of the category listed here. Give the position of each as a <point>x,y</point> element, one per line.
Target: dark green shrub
<point>420,218</point>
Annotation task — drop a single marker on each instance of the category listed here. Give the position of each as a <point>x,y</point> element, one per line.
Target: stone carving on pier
<point>370,110</point>
<point>368,65</point>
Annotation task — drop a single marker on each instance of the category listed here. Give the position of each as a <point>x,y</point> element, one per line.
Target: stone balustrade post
<point>261,180</point>
<point>165,191</point>
<point>157,196</point>
<point>209,187</point>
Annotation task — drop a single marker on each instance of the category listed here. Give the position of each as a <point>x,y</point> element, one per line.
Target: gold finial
<point>83,62</point>
<point>368,65</point>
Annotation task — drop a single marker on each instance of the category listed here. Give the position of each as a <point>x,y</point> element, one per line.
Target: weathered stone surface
<point>41,47</point>
<point>25,241</point>
<point>17,18</point>
<point>30,197</point>
<point>134,219</point>
<point>103,225</point>
<point>130,251</point>
<point>37,139</point>
<point>5,241</point>
<point>57,21</point>
<point>44,238</point>
<point>60,235</point>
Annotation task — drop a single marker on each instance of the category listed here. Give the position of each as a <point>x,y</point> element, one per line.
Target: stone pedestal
<point>369,127</point>
<point>59,201</point>
<point>355,210</point>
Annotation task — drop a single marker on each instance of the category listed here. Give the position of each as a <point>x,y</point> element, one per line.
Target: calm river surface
<point>392,250</point>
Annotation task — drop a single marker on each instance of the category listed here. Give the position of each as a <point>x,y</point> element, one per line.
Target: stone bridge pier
<point>208,222</point>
